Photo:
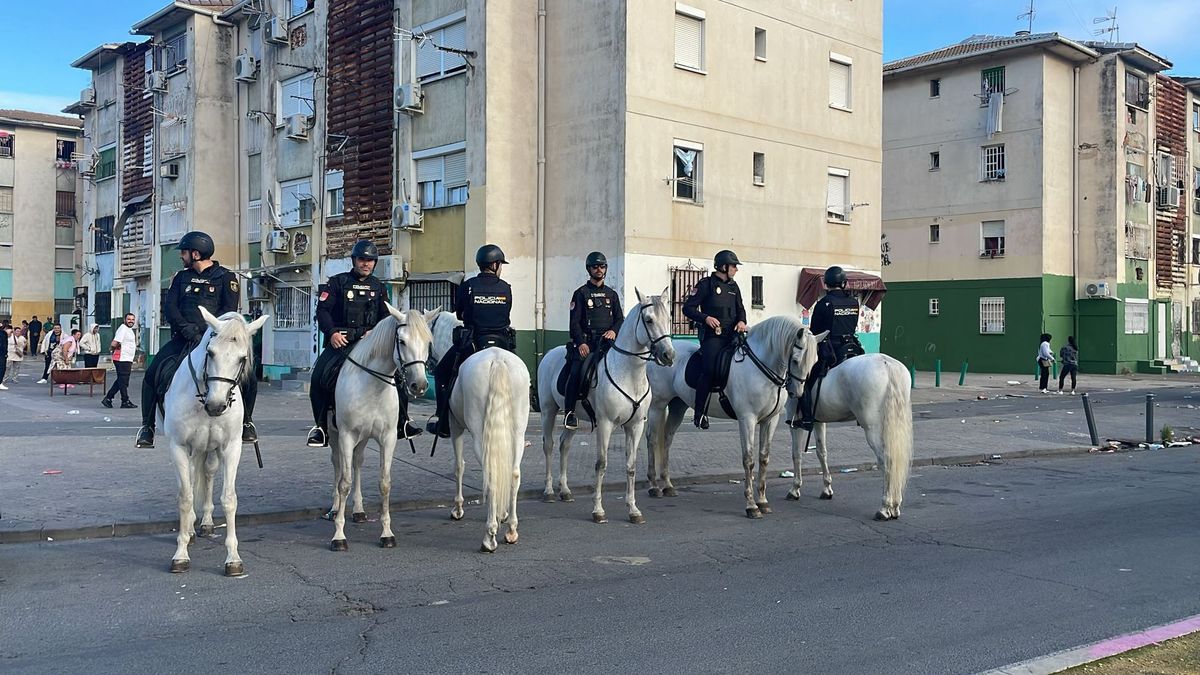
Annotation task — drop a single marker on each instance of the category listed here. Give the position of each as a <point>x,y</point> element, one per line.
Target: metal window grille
<point>991,79</point>
<point>991,316</point>
<point>102,235</point>
<point>254,219</point>
<point>760,168</point>
<point>993,162</point>
<point>174,52</point>
<point>1137,241</point>
<point>291,308</point>
<point>64,204</point>
<point>935,161</point>
<point>64,306</point>
<point>6,308</point>
<point>1195,314</point>
<point>756,292</point>
<point>935,233</point>
<point>103,311</point>
<point>935,307</point>
<point>1137,317</point>
<point>683,280</point>
<point>427,295</point>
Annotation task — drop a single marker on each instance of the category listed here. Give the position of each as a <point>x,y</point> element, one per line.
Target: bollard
<point>962,374</point>
<point>937,373</point>
<point>912,372</point>
<point>1091,420</point>
<point>1149,418</point>
<point>1054,369</point>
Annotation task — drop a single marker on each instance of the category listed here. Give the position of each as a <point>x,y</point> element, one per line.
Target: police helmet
<point>488,254</point>
<point>365,249</point>
<point>199,242</point>
<point>596,258</point>
<point>724,258</point>
<point>835,277</point>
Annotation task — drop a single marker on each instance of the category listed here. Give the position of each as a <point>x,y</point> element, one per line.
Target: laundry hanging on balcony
<point>995,113</point>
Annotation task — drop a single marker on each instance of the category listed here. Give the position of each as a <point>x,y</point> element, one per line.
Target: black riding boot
<point>700,411</point>
<point>404,426</point>
<point>807,412</point>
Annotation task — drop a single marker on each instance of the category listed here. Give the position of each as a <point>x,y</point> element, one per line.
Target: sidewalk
<point>70,469</point>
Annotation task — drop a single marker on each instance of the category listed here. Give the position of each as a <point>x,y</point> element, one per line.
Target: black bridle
<point>649,354</point>
<point>395,377</point>
<point>201,383</point>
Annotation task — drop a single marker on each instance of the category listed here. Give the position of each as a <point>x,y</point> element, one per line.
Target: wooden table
<point>89,376</point>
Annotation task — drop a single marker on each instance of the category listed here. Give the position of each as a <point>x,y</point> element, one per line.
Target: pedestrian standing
<point>1045,359</point>
<point>124,348</point>
<point>89,347</point>
<point>68,350</point>
<point>17,344</point>
<point>35,334</point>
<point>47,346</point>
<point>1069,354</point>
<point>5,339</point>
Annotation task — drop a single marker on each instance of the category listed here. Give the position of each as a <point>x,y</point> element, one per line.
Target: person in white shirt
<point>124,348</point>
<point>17,344</point>
<point>89,347</point>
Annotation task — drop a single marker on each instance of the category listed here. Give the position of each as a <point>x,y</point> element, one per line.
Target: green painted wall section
<point>6,283</point>
<point>64,285</point>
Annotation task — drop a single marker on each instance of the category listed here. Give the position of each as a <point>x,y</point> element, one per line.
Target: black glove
<point>192,334</point>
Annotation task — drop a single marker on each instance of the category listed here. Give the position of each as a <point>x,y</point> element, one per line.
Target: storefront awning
<point>811,287</point>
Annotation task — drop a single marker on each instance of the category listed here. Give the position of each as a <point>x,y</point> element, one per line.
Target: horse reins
<point>394,378</point>
<point>649,354</point>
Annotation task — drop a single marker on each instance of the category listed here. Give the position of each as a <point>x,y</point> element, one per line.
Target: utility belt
<point>845,346</point>
<point>505,338</point>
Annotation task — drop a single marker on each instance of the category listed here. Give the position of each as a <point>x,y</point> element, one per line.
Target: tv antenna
<point>1112,29</point>
<point>1028,14</point>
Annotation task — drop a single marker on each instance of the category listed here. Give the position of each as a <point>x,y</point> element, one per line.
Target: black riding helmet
<point>595,258</point>
<point>489,254</point>
<point>724,258</point>
<point>365,249</point>
<point>199,242</point>
<point>835,277</point>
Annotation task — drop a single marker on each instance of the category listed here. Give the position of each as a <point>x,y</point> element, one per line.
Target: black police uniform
<point>595,310</point>
<point>484,305</point>
<point>723,301</point>
<point>837,313</point>
<point>352,305</point>
<point>215,289</point>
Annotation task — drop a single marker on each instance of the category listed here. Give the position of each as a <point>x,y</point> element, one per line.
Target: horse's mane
<point>778,332</point>
<point>381,341</point>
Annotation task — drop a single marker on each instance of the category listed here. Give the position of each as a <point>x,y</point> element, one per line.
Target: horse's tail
<point>898,430</point>
<point>499,444</point>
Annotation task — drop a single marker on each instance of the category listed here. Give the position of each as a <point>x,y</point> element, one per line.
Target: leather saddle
<point>691,373</point>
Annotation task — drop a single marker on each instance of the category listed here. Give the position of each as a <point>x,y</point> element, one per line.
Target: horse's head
<point>413,341</point>
<point>228,358</point>
<point>442,325</point>
<point>655,317</point>
<point>802,359</point>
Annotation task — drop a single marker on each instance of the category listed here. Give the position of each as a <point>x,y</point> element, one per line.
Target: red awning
<point>811,287</point>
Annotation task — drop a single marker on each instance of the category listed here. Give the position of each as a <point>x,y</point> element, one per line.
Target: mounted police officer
<point>596,319</point>
<point>716,307</point>
<point>202,283</point>
<point>484,305</point>
<point>836,312</point>
<point>348,307</point>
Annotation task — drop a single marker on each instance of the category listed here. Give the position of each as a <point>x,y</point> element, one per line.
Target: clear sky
<point>40,38</point>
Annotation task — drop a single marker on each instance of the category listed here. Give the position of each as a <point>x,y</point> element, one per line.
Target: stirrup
<point>316,438</point>
<point>410,430</point>
<point>249,433</point>
<point>701,422</point>
<point>570,421</point>
<point>145,437</point>
<point>806,425</point>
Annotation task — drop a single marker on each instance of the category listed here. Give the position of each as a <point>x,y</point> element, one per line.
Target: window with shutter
<point>837,195</point>
<point>442,179</point>
<point>433,62</point>
<point>992,234</point>
<point>689,41</point>
<point>839,83</point>
<point>689,172</point>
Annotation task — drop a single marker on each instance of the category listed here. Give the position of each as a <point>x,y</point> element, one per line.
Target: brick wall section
<point>1170,228</point>
<point>138,121</point>
<point>359,104</point>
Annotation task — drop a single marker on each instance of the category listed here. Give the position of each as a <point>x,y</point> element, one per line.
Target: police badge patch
<point>718,290</point>
<point>233,285</point>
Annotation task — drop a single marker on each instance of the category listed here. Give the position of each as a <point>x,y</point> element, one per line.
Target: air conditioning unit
<point>1098,289</point>
<point>297,127</point>
<point>389,267</point>
<point>245,68</point>
<point>156,80</point>
<point>1167,197</point>
<point>1196,205</point>
<point>86,166</point>
<point>87,97</point>
<point>408,217</point>
<point>170,170</point>
<point>275,31</point>
<point>410,98</point>
<point>278,241</point>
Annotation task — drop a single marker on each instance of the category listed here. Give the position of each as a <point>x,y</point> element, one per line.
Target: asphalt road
<point>989,565</point>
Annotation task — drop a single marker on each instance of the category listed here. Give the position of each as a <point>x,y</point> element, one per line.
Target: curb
<point>296,515</point>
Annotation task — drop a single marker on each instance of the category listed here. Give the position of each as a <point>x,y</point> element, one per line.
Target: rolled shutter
<point>689,41</point>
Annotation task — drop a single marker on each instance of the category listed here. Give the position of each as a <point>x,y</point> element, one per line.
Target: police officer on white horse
<point>348,307</point>
<point>836,312</point>
<point>596,318</point>
<point>484,305</point>
<point>715,305</point>
<point>203,282</point>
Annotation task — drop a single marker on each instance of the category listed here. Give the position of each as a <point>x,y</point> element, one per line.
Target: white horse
<point>491,400</point>
<point>755,392</point>
<point>442,325</point>
<point>367,408</point>
<point>202,421</point>
<point>618,398</point>
<point>874,390</point>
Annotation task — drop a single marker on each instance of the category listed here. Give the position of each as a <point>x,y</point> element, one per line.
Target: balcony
<point>992,252</point>
<point>64,204</point>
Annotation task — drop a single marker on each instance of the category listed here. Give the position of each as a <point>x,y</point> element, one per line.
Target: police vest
<point>599,311</point>
<point>489,297</point>
<point>201,291</point>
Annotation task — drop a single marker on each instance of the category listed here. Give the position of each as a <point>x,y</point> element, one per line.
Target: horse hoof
<point>387,542</point>
<point>329,515</point>
<point>637,519</point>
<point>656,493</point>
<point>826,495</point>
<point>180,566</point>
<point>764,508</point>
<point>358,517</point>
<point>754,514</point>
<point>567,497</point>
<point>483,548</point>
<point>456,513</point>
<point>670,492</point>
<point>207,530</point>
<point>339,545</point>
<point>234,569</point>
<point>510,537</point>
<point>793,497</point>
<point>548,498</point>
<point>599,518</point>
<point>880,515</point>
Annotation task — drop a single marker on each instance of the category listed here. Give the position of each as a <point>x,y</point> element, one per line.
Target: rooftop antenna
<point>1029,14</point>
<point>1112,29</point>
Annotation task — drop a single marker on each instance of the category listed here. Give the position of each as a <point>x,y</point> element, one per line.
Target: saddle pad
<point>166,373</point>
<point>691,373</point>
<point>586,380</point>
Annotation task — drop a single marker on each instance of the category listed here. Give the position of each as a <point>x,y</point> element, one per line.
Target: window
<point>298,7</point>
<point>934,307</point>
<point>760,168</point>
<point>837,195</point>
<point>296,202</point>
<point>839,81</point>
<point>64,259</point>
<point>935,88</point>
<point>1137,91</point>
<point>102,235</point>
<point>295,97</point>
<point>1137,241</point>
<point>174,52</point>
<point>1196,116</point>
<point>291,308</point>
<point>1195,249</point>
<point>64,306</point>
<point>7,144</point>
<point>689,38</point>
<point>64,204</point>
<point>147,155</point>
<point>442,176</point>
<point>431,294</point>
<point>992,233</point>
<point>990,80</point>
<point>6,309</point>
<point>6,200</point>
<point>683,282</point>
<point>935,233</point>
<point>102,314</point>
<point>1196,315</point>
<point>756,292</point>
<point>335,194</point>
<point>935,161</point>
<point>6,257</point>
<point>760,44</point>
<point>688,171</point>
<point>254,221</point>
<point>992,165</point>
<point>254,176</point>
<point>991,316</point>
<point>433,62</point>
<point>106,167</point>
<point>1137,316</point>
<point>65,152</point>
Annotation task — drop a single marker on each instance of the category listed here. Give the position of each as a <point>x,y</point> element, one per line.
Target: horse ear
<point>821,336</point>
<point>666,289</point>
<point>393,311</point>
<point>432,314</point>
<point>258,323</point>
<point>639,295</point>
<point>209,319</point>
